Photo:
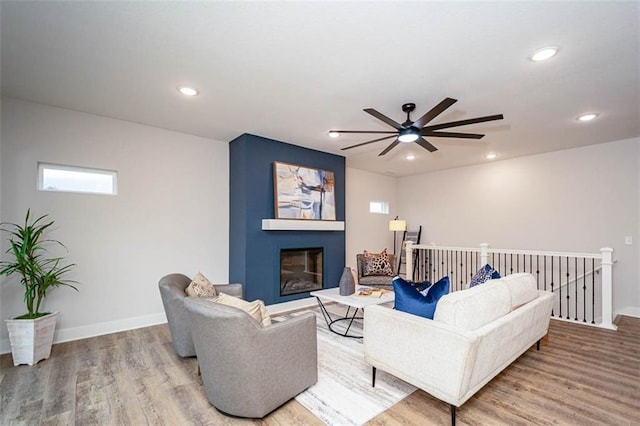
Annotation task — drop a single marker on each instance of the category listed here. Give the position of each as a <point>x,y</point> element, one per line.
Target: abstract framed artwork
<point>303,193</point>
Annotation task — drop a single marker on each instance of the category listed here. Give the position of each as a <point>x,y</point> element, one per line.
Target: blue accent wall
<point>254,254</point>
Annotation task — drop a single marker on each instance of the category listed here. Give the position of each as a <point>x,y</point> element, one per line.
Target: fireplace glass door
<point>300,270</point>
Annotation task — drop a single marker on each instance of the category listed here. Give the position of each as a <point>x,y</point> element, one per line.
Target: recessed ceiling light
<point>544,53</point>
<point>333,134</point>
<point>587,117</point>
<point>410,157</point>
<point>491,156</point>
<point>187,90</point>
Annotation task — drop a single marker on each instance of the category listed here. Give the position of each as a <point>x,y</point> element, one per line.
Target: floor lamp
<point>397,225</point>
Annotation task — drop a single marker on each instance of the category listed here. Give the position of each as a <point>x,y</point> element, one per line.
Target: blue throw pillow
<point>408,298</point>
<point>483,275</point>
<point>422,287</point>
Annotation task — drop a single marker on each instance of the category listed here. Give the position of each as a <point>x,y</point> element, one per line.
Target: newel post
<point>484,254</point>
<point>607,288</point>
<point>409,263</point>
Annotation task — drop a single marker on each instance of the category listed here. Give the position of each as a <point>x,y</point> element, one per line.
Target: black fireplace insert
<point>300,270</point>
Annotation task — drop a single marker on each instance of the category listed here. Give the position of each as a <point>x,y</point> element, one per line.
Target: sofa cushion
<point>522,287</point>
<point>200,286</point>
<point>483,275</point>
<point>472,308</point>
<point>256,309</point>
<point>377,264</point>
<point>409,299</point>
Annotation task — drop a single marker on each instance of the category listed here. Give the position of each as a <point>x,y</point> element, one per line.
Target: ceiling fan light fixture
<point>333,134</point>
<point>410,157</point>
<point>544,53</point>
<point>408,135</point>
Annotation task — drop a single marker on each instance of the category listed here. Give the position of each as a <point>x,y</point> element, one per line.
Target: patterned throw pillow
<point>483,275</point>
<point>201,287</point>
<point>256,308</point>
<point>377,264</point>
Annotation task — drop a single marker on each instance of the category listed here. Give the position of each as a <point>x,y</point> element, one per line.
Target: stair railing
<point>582,282</point>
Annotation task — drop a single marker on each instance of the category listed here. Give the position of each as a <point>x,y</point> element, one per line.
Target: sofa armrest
<point>432,356</point>
<point>233,289</point>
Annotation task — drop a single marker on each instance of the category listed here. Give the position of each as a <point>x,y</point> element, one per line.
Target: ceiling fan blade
<point>434,112</point>
<point>426,145</point>
<point>365,131</point>
<point>382,117</point>
<point>390,147</point>
<point>464,122</point>
<point>368,142</point>
<point>451,135</point>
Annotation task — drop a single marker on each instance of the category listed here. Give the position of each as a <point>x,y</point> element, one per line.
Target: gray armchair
<point>248,370</point>
<point>172,288</point>
<point>379,281</point>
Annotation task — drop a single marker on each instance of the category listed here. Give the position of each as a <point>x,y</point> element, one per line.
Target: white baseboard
<point>632,311</point>
<point>99,329</point>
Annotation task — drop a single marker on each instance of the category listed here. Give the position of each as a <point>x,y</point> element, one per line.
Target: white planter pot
<point>31,339</point>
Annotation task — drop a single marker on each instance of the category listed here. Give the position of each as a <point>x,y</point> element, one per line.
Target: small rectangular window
<point>379,207</point>
<point>55,177</point>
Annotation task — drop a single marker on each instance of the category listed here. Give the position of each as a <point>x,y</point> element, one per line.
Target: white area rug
<point>343,394</point>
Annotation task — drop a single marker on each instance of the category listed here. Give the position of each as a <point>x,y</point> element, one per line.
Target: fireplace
<point>301,270</point>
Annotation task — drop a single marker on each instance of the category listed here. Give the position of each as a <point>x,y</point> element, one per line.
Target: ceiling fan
<point>415,131</point>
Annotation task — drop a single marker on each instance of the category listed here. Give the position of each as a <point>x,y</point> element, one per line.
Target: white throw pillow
<point>256,308</point>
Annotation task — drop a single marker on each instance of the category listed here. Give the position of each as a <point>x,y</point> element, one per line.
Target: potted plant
<point>31,334</point>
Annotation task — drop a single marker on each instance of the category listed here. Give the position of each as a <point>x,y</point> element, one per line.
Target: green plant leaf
<point>28,250</point>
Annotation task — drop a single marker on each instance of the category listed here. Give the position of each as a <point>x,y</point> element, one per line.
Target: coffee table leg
<point>350,322</point>
<point>325,313</point>
<point>330,321</point>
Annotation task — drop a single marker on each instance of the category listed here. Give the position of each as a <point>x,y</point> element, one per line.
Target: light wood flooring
<point>584,376</point>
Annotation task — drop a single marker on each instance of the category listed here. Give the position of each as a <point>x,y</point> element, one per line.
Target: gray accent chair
<point>248,370</point>
<point>379,281</point>
<point>172,288</point>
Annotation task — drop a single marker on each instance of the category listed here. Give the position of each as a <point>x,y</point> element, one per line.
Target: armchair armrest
<point>232,289</point>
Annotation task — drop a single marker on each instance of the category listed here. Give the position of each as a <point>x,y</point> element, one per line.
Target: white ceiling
<point>293,70</point>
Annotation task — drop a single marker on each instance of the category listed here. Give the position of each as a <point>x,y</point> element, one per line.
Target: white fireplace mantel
<point>302,225</point>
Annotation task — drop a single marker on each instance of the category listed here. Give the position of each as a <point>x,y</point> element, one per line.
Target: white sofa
<point>474,335</point>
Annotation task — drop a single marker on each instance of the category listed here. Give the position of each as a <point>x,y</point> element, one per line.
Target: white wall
<point>574,200</point>
<point>364,230</point>
<point>171,213</point>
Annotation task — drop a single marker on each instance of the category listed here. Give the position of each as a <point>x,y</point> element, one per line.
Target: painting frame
<point>303,193</point>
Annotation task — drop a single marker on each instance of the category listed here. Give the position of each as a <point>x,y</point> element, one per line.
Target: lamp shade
<point>397,225</point>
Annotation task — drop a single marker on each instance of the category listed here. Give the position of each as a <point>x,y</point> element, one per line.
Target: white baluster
<point>409,262</point>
